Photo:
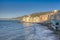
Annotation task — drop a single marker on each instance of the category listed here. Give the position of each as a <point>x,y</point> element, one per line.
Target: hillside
<point>34,14</point>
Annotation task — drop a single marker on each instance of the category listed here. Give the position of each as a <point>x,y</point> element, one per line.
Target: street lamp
<point>55,11</point>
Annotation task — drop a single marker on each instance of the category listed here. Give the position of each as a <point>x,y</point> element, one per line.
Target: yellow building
<point>24,19</point>
<point>41,18</point>
<point>36,19</point>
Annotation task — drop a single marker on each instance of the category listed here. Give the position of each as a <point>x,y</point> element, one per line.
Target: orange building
<point>41,18</point>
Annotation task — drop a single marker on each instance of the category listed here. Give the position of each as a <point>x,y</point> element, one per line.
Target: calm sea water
<point>13,30</point>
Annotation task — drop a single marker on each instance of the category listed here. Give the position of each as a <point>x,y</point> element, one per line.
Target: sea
<point>14,30</point>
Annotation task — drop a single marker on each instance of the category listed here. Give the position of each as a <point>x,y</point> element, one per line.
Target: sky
<point>17,8</point>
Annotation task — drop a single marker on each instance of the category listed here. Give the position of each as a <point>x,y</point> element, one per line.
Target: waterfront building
<point>36,19</point>
<point>42,18</point>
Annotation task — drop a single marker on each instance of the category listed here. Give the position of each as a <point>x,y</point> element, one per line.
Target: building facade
<point>41,18</point>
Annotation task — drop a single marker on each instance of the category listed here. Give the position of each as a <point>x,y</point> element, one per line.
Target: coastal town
<point>29,19</point>
<point>41,18</point>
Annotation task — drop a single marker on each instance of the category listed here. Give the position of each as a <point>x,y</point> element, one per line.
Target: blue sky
<point>16,8</point>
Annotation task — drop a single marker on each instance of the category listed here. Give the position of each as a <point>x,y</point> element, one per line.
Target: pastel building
<point>41,18</point>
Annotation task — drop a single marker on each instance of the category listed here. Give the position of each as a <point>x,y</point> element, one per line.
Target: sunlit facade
<point>44,18</point>
<point>24,19</point>
<point>40,18</point>
<point>36,19</point>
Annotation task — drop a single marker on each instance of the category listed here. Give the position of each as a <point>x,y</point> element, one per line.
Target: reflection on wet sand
<point>27,24</point>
